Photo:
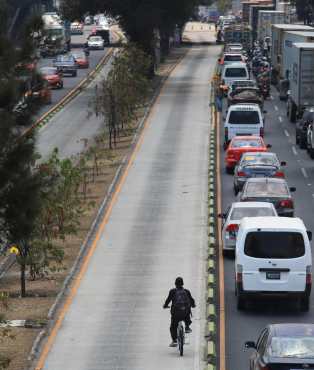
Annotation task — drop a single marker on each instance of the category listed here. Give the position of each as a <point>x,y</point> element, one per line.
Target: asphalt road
<point>242,326</point>
<point>157,230</point>
<point>70,82</point>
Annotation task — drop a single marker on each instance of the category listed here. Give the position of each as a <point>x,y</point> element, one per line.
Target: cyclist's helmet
<point>179,282</point>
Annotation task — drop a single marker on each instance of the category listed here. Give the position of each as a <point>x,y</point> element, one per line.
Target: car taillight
<point>261,132</point>
<point>279,174</point>
<point>230,154</point>
<point>287,203</point>
<point>232,230</point>
<point>239,274</point>
<point>309,275</point>
<point>241,174</point>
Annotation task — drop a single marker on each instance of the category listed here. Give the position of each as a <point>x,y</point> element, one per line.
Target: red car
<point>52,76</point>
<point>242,144</point>
<point>81,59</point>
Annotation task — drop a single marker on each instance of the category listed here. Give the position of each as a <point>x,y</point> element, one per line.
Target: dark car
<point>66,64</point>
<point>273,190</point>
<point>246,95</point>
<point>256,164</point>
<point>302,126</point>
<point>284,347</point>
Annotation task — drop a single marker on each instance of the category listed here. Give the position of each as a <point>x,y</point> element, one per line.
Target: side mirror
<point>309,234</point>
<point>283,163</point>
<point>268,146</point>
<point>221,215</point>
<point>250,344</point>
<point>293,189</point>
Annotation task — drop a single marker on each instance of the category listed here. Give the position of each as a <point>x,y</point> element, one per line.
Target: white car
<point>234,71</point>
<point>273,258</point>
<point>96,43</point>
<point>243,120</point>
<point>232,217</point>
<point>229,58</point>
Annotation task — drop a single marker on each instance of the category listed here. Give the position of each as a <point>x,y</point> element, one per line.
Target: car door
<point>260,350</point>
<point>224,223</point>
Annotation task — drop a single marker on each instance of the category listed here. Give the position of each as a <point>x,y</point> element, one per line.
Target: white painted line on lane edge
<point>304,173</point>
<point>286,133</point>
<point>294,150</point>
<point>272,98</point>
<point>276,108</point>
<point>280,119</point>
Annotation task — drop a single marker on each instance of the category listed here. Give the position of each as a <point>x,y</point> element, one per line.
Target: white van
<point>243,120</point>
<point>273,257</point>
<point>234,71</point>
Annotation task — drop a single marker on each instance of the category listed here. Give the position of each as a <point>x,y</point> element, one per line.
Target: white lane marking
<point>280,119</point>
<point>276,108</point>
<point>272,98</point>
<point>294,150</point>
<point>286,133</point>
<point>304,173</point>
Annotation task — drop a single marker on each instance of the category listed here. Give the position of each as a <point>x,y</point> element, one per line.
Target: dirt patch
<point>42,292</point>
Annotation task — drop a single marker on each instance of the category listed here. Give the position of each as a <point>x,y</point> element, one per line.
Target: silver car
<point>232,217</point>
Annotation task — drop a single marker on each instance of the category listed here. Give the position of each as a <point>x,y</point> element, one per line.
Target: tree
<point>20,184</point>
<point>139,19</point>
<point>124,90</point>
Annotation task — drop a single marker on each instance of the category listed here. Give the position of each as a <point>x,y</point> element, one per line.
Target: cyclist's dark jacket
<point>172,295</point>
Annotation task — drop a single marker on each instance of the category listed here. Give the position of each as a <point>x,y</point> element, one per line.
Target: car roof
<point>244,106</point>
<point>236,65</point>
<point>261,154</point>
<point>248,137</point>
<point>292,329</point>
<point>266,180</point>
<point>252,205</point>
<point>272,222</point>
<point>233,54</point>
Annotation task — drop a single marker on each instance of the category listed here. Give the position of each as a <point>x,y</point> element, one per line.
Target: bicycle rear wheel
<point>180,338</point>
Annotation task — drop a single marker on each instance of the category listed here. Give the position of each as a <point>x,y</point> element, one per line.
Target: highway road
<point>70,82</point>
<point>246,325</point>
<point>155,230</point>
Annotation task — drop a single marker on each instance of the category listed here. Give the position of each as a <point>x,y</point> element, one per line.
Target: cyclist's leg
<point>188,320</point>
<point>173,327</point>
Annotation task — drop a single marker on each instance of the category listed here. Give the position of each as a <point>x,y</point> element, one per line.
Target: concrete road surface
<point>156,231</point>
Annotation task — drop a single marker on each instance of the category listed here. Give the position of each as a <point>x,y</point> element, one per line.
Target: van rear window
<point>232,58</point>
<point>281,245</point>
<point>244,117</point>
<point>235,72</point>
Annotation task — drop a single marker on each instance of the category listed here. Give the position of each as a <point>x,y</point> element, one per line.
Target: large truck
<point>246,6</point>
<point>254,17</point>
<point>290,38</point>
<point>56,35</point>
<point>277,34</point>
<point>238,33</point>
<point>302,80</point>
<point>266,19</point>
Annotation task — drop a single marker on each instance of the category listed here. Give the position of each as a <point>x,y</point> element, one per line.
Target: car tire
<point>311,152</point>
<point>305,303</point>
<point>61,85</point>
<point>229,170</point>
<point>235,190</point>
<point>302,144</point>
<point>241,305</point>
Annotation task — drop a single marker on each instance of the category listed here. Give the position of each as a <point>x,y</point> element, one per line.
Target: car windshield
<point>256,143</point>
<point>95,38</point>
<point>259,160</point>
<point>244,117</point>
<point>49,71</point>
<point>235,72</point>
<point>239,213</point>
<point>79,55</point>
<point>266,188</point>
<point>232,58</point>
<point>274,244</point>
<point>302,347</point>
<point>64,58</point>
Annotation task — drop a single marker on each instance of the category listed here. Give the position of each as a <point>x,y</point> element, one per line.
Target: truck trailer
<point>254,17</point>
<point>277,34</point>
<point>302,80</point>
<point>266,19</point>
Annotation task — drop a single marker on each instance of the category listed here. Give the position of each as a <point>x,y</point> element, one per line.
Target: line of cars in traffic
<point>271,247</point>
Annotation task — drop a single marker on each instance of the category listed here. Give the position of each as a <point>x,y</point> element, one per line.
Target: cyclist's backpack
<point>181,303</point>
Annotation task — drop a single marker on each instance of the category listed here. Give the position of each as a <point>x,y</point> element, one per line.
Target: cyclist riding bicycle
<point>181,303</point>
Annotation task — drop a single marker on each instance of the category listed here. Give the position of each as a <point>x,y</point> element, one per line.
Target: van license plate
<point>273,275</point>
